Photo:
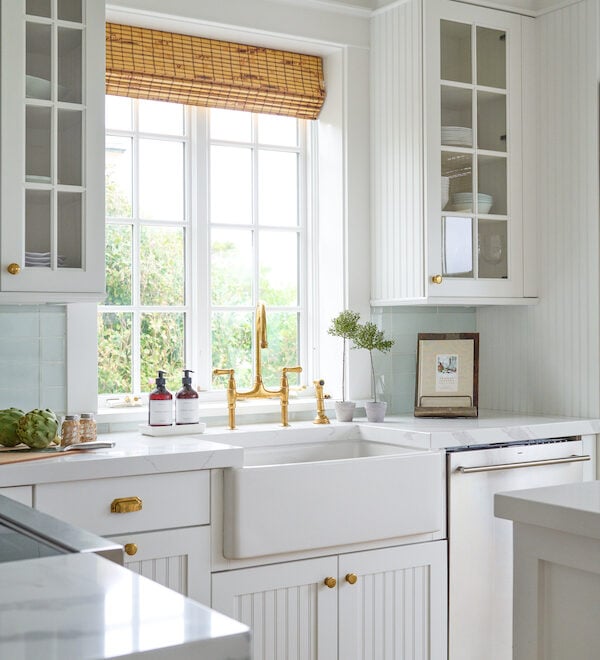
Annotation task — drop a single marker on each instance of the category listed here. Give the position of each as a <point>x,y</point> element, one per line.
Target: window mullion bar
<point>136,377</point>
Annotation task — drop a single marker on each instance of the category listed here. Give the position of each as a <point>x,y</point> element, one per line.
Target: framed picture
<point>447,374</point>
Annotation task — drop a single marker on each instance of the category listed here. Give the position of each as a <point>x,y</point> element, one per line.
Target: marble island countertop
<point>81,606</point>
<point>571,508</point>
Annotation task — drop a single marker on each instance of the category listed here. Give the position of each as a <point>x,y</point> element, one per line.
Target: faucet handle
<point>292,370</point>
<point>223,372</point>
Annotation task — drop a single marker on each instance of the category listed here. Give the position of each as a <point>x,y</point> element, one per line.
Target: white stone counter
<point>570,508</point>
<point>132,454</point>
<point>81,606</point>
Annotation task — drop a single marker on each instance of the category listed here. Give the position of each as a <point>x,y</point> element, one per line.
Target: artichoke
<point>8,426</point>
<point>37,428</point>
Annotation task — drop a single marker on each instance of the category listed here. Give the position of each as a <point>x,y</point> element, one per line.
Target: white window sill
<point>216,410</point>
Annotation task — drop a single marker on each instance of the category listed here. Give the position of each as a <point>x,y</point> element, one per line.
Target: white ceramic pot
<point>375,410</point>
<point>344,410</point>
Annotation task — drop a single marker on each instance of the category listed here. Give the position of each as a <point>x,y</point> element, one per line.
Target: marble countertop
<point>219,447</point>
<point>82,606</point>
<point>572,508</point>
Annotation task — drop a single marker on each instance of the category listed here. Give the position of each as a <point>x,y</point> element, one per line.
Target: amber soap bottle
<point>186,401</point>
<point>160,404</point>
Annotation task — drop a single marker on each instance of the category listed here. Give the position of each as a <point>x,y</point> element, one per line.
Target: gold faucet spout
<point>258,390</point>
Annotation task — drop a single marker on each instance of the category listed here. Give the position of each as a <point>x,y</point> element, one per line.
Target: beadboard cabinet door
<point>176,558</point>
<point>453,218</point>
<point>393,603</point>
<point>52,151</point>
<point>292,613</point>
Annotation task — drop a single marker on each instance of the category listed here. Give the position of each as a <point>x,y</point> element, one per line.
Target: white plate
<point>175,429</point>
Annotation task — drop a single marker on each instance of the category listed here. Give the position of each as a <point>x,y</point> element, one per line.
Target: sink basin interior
<point>310,452</point>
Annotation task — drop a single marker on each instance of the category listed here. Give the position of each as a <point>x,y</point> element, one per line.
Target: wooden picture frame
<point>447,374</point>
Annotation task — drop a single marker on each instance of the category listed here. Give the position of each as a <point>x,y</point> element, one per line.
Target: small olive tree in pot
<point>369,337</point>
<point>344,325</point>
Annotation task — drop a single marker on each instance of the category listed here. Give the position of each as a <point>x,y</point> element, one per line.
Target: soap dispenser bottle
<point>160,404</point>
<point>186,401</point>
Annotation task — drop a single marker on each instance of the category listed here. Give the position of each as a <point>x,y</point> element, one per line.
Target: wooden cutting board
<point>18,454</point>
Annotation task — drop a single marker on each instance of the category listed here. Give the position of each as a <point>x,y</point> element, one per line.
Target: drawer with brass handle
<point>120,505</point>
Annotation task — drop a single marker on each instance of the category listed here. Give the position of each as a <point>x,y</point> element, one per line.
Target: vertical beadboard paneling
<point>171,572</point>
<point>394,615</point>
<point>546,359</point>
<point>396,136</point>
<point>283,622</point>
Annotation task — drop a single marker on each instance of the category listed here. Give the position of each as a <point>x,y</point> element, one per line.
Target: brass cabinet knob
<point>330,582</point>
<point>131,549</point>
<point>351,578</point>
<point>436,279</point>
<point>13,269</point>
<point>126,505</point>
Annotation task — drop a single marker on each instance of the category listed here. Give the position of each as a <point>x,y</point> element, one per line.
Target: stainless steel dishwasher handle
<point>524,464</point>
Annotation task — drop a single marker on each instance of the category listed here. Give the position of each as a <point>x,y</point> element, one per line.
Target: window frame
<point>197,227</point>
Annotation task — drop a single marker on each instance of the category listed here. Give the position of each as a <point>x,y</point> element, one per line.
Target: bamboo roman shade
<point>164,66</point>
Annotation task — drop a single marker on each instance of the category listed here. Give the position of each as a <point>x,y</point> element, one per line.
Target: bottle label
<point>187,411</point>
<point>161,412</point>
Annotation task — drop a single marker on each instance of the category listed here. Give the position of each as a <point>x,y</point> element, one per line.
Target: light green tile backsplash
<point>33,357</point>
<point>403,324</point>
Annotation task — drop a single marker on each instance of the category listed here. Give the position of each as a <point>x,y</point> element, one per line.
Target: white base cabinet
<point>395,609</point>
<point>176,558</point>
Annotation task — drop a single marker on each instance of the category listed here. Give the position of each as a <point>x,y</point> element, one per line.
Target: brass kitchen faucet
<point>258,391</point>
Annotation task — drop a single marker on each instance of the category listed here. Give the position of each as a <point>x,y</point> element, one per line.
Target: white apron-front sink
<point>320,490</point>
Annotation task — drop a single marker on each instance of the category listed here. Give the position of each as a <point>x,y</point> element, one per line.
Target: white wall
<point>546,358</point>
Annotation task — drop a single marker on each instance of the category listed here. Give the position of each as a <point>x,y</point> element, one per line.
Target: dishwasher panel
<point>480,545</point>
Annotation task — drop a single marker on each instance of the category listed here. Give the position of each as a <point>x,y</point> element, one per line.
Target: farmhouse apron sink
<point>329,488</point>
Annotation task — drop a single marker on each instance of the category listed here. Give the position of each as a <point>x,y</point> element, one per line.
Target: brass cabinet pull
<point>351,578</point>
<point>436,279</point>
<point>131,549</point>
<point>13,269</point>
<point>330,582</point>
<point>126,505</point>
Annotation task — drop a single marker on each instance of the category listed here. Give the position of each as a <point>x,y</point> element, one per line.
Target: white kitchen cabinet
<point>52,145</point>
<point>23,494</point>
<point>176,558</point>
<point>161,519</point>
<point>453,211</point>
<point>385,604</point>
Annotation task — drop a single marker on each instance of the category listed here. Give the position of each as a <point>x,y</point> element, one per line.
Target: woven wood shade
<point>163,66</point>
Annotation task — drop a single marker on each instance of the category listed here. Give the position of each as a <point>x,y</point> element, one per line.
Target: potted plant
<point>344,325</point>
<point>369,336</point>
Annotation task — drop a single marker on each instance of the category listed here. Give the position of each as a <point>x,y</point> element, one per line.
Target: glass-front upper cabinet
<point>474,148</point>
<point>55,110</point>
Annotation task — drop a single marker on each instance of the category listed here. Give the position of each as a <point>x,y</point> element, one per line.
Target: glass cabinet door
<point>54,123</point>
<point>473,137</point>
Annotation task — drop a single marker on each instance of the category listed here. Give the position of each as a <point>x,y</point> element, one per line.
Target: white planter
<point>344,410</point>
<point>375,410</point>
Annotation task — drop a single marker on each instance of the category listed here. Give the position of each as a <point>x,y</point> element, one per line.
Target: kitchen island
<point>81,606</point>
<point>556,570</point>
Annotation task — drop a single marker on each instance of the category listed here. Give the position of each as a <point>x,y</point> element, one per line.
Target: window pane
<point>114,353</point>
<point>162,266</point>
<point>230,125</point>
<point>230,185</point>
<point>162,345</point>
<point>161,180</point>
<point>160,117</point>
<point>277,188</point>
<point>231,267</point>
<point>118,113</point>
<point>231,335</point>
<point>282,336</point>
<point>457,257</point>
<point>118,177</point>
<point>118,264</point>
<point>278,258</point>
<point>281,131</point>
